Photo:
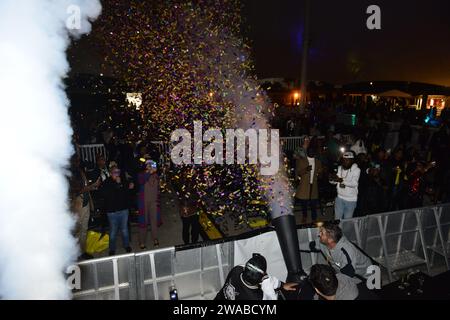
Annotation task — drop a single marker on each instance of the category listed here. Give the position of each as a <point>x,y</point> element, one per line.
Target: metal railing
<point>397,240</point>
<point>89,152</point>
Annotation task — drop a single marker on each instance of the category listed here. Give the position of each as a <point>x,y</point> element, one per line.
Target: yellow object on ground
<point>96,243</point>
<point>209,227</point>
<point>256,223</point>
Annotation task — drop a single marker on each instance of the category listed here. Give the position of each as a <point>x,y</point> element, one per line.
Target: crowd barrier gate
<point>401,240</point>
<point>89,152</point>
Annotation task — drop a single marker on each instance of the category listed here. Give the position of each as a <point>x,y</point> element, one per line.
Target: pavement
<point>170,232</point>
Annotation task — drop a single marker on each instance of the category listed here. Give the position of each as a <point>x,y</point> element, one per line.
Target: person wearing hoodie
<point>346,180</point>
<point>341,254</point>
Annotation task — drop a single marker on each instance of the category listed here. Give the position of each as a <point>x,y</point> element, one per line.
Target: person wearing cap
<point>346,180</point>
<point>148,202</point>
<point>251,282</point>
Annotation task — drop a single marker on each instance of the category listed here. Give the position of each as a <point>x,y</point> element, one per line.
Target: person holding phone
<point>346,180</point>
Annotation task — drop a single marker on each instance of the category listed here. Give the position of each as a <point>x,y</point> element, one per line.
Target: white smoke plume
<point>253,111</point>
<point>36,244</point>
<point>252,107</point>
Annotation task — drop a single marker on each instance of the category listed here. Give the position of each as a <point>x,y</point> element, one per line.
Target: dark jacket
<point>235,289</point>
<point>116,195</point>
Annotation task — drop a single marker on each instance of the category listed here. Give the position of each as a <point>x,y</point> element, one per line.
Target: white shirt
<point>358,147</point>
<point>268,287</point>
<point>312,163</point>
<point>351,179</point>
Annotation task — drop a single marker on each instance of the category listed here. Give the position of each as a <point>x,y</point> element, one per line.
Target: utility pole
<point>304,74</point>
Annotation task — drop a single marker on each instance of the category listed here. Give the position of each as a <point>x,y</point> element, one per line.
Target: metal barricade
<point>440,244</point>
<point>402,241</point>
<point>290,144</point>
<point>397,240</point>
<point>88,152</point>
<point>112,278</point>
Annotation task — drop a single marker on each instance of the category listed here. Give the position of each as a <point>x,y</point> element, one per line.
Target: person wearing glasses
<point>116,192</point>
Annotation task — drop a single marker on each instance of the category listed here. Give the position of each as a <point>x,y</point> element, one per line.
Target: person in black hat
<point>251,282</point>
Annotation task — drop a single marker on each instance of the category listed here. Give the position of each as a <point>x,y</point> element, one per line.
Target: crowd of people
<point>362,177</point>
<point>358,175</point>
<point>116,192</point>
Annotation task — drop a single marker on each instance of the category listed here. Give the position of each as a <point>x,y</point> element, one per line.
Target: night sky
<point>413,44</point>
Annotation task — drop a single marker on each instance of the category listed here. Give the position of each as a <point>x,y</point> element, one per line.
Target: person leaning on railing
<point>340,253</point>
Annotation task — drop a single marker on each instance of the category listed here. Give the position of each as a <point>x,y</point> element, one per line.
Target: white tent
<point>395,94</point>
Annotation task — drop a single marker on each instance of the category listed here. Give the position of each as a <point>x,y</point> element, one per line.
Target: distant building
<point>407,94</point>
<point>286,92</point>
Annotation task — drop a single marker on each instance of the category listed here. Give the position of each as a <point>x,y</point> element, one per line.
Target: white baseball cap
<point>348,155</point>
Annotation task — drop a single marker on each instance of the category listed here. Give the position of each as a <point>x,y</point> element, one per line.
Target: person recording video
<point>346,180</point>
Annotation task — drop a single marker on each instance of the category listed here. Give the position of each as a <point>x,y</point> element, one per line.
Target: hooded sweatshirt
<point>347,259</point>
